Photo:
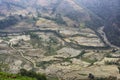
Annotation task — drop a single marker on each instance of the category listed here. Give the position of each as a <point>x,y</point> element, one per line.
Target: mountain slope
<point>93,14</point>
<point>108,11</point>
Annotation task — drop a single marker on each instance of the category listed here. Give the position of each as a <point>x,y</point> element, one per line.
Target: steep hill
<point>109,12</point>
<point>93,13</point>
<point>63,39</point>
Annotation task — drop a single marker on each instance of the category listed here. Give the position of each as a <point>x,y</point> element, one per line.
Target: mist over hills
<point>95,13</point>
<point>109,12</point>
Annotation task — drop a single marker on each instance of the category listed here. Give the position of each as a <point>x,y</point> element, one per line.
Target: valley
<point>65,40</point>
<point>58,53</point>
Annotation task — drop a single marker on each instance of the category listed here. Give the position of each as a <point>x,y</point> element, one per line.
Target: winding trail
<point>21,53</point>
<point>103,35</point>
<point>56,33</point>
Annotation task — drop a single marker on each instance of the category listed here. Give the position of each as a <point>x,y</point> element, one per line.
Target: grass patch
<point>80,55</point>
<point>8,76</point>
<point>83,74</point>
<point>88,60</point>
<point>53,78</point>
<point>6,38</point>
<point>112,63</point>
<point>82,25</point>
<point>44,64</point>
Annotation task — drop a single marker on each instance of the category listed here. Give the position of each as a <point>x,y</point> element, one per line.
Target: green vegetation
<point>108,55</point>
<point>52,46</point>
<point>112,63</point>
<point>78,46</point>
<point>50,51</point>
<point>89,60</point>
<point>38,14</point>
<point>119,69</point>
<point>107,78</point>
<point>67,60</point>
<point>32,74</point>
<point>83,74</point>
<point>6,38</point>
<point>7,76</point>
<point>53,40</point>
<point>4,67</point>
<point>82,25</point>
<point>58,19</point>
<point>36,41</point>
<point>80,55</point>
<point>44,64</point>
<point>9,21</point>
<point>53,78</point>
<point>23,75</point>
<point>31,20</point>
<point>75,15</point>
<point>92,77</point>
<point>33,36</point>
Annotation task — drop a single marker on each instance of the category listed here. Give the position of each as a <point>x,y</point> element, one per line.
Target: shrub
<point>33,74</point>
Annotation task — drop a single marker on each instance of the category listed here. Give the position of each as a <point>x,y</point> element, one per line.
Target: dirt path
<point>21,53</point>
<point>102,33</point>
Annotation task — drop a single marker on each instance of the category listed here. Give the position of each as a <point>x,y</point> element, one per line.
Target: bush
<point>58,19</point>
<point>112,63</point>
<point>8,76</point>
<point>107,78</point>
<point>33,74</point>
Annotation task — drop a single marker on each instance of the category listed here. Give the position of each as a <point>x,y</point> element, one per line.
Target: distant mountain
<point>94,13</point>
<point>109,12</point>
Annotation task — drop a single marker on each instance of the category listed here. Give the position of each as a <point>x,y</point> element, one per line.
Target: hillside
<point>93,13</point>
<point>108,12</point>
<point>63,39</point>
